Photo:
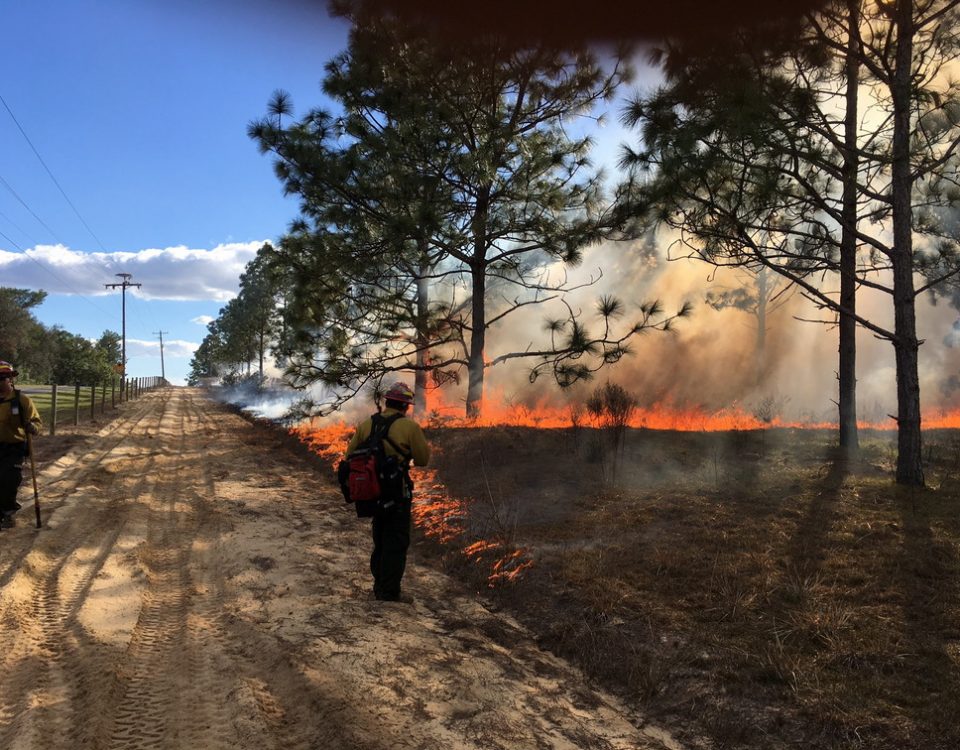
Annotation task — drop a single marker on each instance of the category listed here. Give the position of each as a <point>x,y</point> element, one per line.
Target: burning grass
<point>744,588</point>
<point>483,539</point>
<point>500,410</point>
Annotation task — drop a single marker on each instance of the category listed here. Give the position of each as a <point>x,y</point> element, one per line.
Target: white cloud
<point>203,320</point>
<point>172,348</point>
<point>173,273</point>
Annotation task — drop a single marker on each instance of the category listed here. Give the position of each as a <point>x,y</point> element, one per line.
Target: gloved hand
<point>32,428</point>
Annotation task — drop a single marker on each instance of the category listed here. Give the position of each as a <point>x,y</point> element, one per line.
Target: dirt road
<point>196,585</point>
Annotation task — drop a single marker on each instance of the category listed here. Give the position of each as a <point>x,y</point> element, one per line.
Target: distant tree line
<point>454,187</point>
<point>50,354</point>
<point>248,330</point>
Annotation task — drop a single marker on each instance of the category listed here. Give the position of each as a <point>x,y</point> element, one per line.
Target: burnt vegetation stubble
<point>744,589</point>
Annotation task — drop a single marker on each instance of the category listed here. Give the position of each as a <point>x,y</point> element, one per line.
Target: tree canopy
<point>766,158</point>
<point>51,354</point>
<point>447,196</point>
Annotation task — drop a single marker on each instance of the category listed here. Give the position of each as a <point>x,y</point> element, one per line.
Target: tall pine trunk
<point>847,370</point>
<point>261,351</point>
<point>478,313</point>
<point>423,310</point>
<point>906,345</point>
<point>478,332</point>
<point>760,349</point>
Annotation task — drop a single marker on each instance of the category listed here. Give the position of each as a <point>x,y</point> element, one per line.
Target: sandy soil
<point>196,585</point>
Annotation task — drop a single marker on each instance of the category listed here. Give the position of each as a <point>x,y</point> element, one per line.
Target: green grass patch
<point>70,403</point>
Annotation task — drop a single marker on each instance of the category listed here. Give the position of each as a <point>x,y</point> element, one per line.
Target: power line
<point>55,182</point>
<point>62,192</point>
<point>35,243</point>
<point>29,257</point>
<point>50,271</point>
<point>66,197</point>
<point>12,223</point>
<point>32,213</point>
<point>13,243</point>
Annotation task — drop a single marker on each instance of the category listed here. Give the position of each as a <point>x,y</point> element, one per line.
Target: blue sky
<point>139,111</point>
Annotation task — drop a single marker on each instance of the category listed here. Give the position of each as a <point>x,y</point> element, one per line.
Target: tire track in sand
<point>54,670</point>
<point>197,586</point>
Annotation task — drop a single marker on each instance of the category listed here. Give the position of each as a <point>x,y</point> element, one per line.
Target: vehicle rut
<point>195,584</point>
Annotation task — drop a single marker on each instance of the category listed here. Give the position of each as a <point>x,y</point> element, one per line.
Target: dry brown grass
<point>748,590</point>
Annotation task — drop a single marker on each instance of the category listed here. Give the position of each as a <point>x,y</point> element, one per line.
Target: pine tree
<point>449,178</point>
<point>766,158</point>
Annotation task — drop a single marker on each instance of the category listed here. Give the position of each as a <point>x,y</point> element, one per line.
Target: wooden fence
<point>68,404</point>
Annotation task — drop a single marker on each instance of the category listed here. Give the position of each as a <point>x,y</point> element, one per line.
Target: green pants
<point>11,475</point>
<point>391,538</point>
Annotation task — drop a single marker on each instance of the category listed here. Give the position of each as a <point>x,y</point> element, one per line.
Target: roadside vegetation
<point>76,403</point>
<point>50,354</point>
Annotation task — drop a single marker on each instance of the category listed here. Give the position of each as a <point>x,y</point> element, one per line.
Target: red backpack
<point>368,477</point>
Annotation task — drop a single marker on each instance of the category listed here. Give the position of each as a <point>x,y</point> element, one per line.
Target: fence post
<point>76,404</point>
<point>113,392</point>
<point>93,402</point>
<point>53,409</point>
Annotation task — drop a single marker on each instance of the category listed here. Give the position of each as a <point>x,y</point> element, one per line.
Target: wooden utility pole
<point>163,373</point>
<point>123,284</point>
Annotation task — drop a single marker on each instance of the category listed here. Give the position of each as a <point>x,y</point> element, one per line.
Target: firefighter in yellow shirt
<point>391,526</point>
<point>18,416</point>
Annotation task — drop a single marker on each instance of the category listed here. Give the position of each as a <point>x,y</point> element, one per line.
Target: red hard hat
<point>7,370</point>
<point>399,392</point>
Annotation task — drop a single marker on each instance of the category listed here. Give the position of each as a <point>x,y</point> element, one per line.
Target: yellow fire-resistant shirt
<point>11,428</point>
<point>404,432</point>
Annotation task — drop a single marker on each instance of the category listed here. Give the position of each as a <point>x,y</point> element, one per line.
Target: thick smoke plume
<point>710,360</point>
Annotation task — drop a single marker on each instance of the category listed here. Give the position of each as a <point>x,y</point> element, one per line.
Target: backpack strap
<point>386,436</point>
<point>23,419</point>
<point>380,431</point>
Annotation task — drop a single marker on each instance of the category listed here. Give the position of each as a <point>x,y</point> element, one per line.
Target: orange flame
<point>942,419</point>
<point>440,516</point>
<point>499,411</point>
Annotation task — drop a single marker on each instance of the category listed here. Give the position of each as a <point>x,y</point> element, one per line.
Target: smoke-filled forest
<point>667,294</point>
<point>776,235</point>
<point>692,395</point>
